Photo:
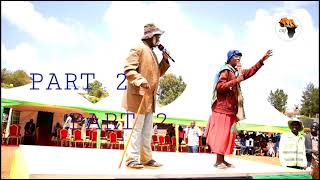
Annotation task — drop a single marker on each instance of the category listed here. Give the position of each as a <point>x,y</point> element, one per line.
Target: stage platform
<point>37,162</point>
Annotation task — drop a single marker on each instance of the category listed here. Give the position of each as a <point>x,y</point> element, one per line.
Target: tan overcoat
<point>142,66</point>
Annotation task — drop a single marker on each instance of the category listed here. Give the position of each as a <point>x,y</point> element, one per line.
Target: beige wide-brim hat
<point>297,120</point>
<point>150,30</point>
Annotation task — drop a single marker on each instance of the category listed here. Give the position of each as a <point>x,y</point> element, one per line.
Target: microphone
<point>239,70</point>
<point>161,48</point>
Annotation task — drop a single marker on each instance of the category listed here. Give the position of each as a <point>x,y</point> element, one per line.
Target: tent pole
<point>99,133</point>
<point>2,109</point>
<point>177,137</point>
<point>8,123</point>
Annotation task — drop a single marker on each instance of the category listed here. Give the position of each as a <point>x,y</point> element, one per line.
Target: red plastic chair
<point>14,133</point>
<point>88,139</point>
<point>161,139</point>
<point>162,143</point>
<point>93,137</point>
<point>167,142</point>
<point>113,139</point>
<point>104,138</point>
<point>155,139</point>
<point>173,143</point>
<point>155,142</point>
<point>64,136</point>
<point>77,138</point>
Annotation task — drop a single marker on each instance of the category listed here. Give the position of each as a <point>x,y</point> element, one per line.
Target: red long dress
<point>224,110</point>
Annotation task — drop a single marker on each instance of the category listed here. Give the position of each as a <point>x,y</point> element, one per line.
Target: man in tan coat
<point>143,71</point>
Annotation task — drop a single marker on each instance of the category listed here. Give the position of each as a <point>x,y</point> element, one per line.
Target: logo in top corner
<point>288,28</point>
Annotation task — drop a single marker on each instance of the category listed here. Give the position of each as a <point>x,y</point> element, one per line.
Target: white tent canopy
<point>190,105</point>
<point>197,106</point>
<point>261,112</point>
<point>29,102</point>
<point>112,102</point>
<point>43,96</point>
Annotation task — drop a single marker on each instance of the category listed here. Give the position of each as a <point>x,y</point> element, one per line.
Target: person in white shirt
<point>193,133</point>
<point>155,129</point>
<point>247,148</point>
<point>249,145</point>
<point>68,125</point>
<point>270,146</point>
<point>237,145</point>
<point>251,148</point>
<point>83,128</point>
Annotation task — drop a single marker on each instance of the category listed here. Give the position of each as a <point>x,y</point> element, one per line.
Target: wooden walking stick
<point>134,124</point>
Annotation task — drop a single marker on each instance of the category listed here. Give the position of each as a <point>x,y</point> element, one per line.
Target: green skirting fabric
<point>289,176</point>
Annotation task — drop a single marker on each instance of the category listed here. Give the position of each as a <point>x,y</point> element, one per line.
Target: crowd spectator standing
<point>193,133</point>
<point>181,134</point>
<point>292,151</point>
<point>29,133</point>
<point>312,150</point>
<point>270,147</point>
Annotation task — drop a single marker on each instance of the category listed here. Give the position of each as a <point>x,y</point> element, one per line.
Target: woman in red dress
<point>227,105</point>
